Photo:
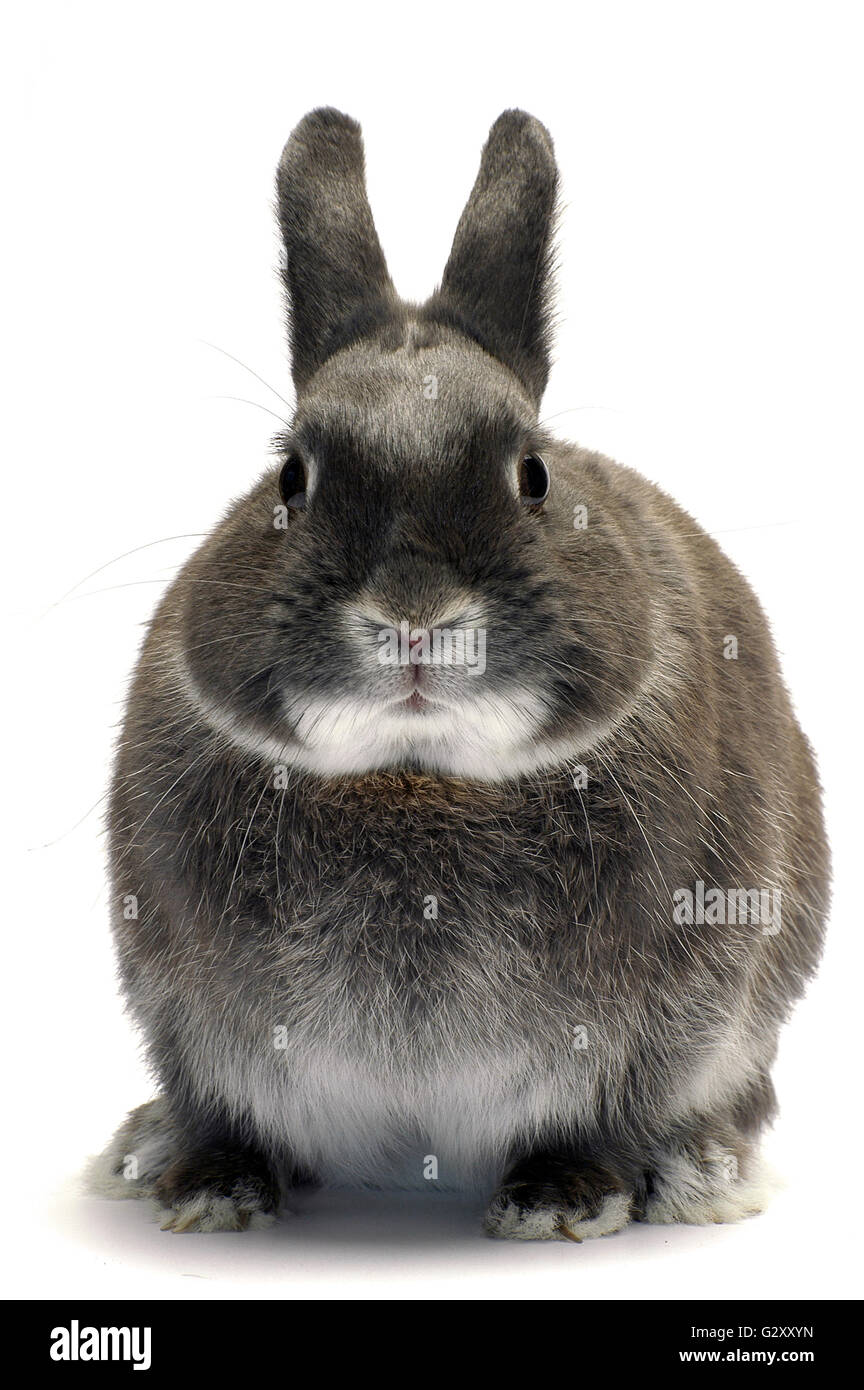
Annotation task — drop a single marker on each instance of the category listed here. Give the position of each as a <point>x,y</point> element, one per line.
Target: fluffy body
<point>365,936</point>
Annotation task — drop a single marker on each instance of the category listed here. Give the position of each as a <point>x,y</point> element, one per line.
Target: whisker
<point>244,400</point>
<point>49,844</point>
<point>188,536</point>
<point>246,368</point>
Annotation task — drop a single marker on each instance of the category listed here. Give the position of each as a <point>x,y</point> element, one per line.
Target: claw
<point>568,1234</point>
<point>181,1224</point>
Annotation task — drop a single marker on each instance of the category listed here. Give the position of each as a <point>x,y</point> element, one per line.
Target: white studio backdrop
<point>710,305</point>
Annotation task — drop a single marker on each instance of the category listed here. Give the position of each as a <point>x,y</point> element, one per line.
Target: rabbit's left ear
<point>497,283</point>
<point>334,270</point>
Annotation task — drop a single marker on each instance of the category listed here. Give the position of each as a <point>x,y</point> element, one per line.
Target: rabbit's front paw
<point>190,1198</point>
<point>555,1199</point>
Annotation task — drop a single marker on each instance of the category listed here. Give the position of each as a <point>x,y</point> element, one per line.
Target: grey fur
<point>284,826</point>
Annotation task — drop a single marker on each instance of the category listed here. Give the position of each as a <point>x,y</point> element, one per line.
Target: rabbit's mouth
<point>418,700</point>
<point>415,704</point>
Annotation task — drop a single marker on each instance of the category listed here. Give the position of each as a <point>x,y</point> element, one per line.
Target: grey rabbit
<point>462,833</point>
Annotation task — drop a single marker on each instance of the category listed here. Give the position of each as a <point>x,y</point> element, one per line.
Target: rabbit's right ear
<point>334,269</point>
<point>497,283</point>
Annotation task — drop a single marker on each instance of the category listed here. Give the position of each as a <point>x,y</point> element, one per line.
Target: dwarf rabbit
<point>461,830</point>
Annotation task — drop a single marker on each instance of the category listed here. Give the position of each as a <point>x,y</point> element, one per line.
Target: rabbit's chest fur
<point>394,970</point>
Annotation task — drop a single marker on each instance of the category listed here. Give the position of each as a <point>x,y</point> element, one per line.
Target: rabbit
<point>462,835</point>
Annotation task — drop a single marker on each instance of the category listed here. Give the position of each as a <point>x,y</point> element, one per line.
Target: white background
<point>711,319</point>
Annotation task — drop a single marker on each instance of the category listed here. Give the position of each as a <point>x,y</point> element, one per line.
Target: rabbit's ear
<point>497,283</point>
<point>333,268</point>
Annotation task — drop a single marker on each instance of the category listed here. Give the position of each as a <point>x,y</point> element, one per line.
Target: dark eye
<point>533,480</point>
<point>292,482</point>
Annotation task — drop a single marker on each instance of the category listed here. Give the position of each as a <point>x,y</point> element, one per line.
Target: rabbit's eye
<point>292,483</point>
<point>533,480</point>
